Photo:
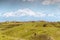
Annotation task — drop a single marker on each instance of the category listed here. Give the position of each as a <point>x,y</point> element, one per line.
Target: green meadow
<point>32,30</point>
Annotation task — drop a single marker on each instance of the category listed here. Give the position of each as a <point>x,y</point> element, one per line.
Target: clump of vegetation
<point>40,37</point>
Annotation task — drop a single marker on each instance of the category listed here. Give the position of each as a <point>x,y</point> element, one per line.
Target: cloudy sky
<point>29,10</point>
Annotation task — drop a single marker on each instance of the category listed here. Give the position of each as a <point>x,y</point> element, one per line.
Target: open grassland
<point>34,30</point>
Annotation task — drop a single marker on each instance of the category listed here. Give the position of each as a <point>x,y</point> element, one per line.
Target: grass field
<point>33,30</point>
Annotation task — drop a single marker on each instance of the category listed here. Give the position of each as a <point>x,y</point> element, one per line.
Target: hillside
<point>33,30</point>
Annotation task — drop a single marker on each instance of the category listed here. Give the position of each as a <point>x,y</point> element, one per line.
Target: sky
<point>29,10</point>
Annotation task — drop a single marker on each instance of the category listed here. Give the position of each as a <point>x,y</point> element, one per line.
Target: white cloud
<point>25,12</point>
<point>51,15</point>
<point>40,14</point>
<point>48,2</point>
<point>8,14</point>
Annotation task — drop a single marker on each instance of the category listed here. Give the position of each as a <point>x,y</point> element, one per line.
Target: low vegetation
<point>33,30</point>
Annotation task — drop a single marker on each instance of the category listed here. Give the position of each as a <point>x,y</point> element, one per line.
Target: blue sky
<point>29,10</point>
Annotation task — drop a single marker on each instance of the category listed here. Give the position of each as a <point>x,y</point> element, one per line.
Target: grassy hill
<point>33,30</point>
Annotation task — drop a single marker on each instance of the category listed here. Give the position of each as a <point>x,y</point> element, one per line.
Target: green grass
<point>29,30</point>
